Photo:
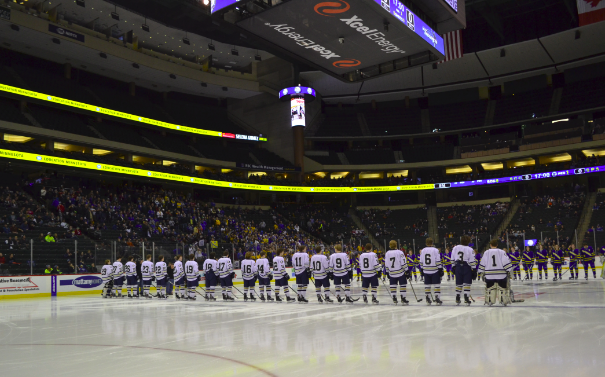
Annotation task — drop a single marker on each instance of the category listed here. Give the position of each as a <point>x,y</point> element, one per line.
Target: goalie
<point>495,267</point>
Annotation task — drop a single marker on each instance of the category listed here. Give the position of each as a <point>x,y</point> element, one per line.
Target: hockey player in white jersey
<point>106,276</point>
<point>249,275</point>
<point>322,273</point>
<point>225,270</point>
<point>495,267</point>
<point>179,278</point>
<point>463,258</point>
<point>300,260</point>
<point>193,276</point>
<point>370,273</point>
<point>341,268</point>
<point>430,259</point>
<point>397,272</point>
<point>161,271</point>
<point>211,276</point>
<point>264,276</point>
<point>118,277</point>
<point>281,276</point>
<point>147,274</point>
<point>131,278</point>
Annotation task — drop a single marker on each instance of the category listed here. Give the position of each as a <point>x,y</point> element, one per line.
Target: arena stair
<point>586,216</point>
<point>514,206</point>
<point>360,225</point>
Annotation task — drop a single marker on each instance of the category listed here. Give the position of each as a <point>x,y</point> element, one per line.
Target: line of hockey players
<point>494,266</point>
<point>556,256</point>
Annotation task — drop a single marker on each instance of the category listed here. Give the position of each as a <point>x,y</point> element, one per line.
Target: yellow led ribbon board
<point>42,159</point>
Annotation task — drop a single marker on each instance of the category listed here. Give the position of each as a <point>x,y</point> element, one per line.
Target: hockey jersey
<point>411,261</point>
<point>106,272</point>
<point>248,269</point>
<point>210,266</point>
<point>147,270</point>
<point>430,259</point>
<point>515,258</point>
<point>320,266</point>
<point>495,264</point>
<point>541,256</point>
<point>446,259</point>
<point>556,257</point>
<point>463,254</point>
<point>179,272</point>
<point>339,263</point>
<point>395,263</point>
<point>588,254</point>
<point>300,262</point>
<point>160,270</point>
<point>263,267</point>
<point>130,269</point>
<point>369,264</point>
<point>118,270</point>
<point>528,257</point>
<point>191,270</point>
<point>279,267</point>
<point>225,268</point>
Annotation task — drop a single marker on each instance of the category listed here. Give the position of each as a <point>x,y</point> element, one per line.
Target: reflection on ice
<point>537,337</point>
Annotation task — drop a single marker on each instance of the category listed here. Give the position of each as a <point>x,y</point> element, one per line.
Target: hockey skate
<point>262,297</point>
<point>571,277</point>
<point>148,296</point>
<point>269,298</point>
<point>467,301</point>
<point>428,300</point>
<point>136,296</point>
<point>120,295</point>
<point>350,300</point>
<point>278,299</point>
<point>404,301</point>
<point>225,297</point>
<point>339,299</point>
<point>545,276</point>
<point>374,300</point>
<point>457,299</point>
<point>319,299</point>
<point>252,298</point>
<point>540,277</point>
<point>304,300</point>
<point>395,300</point>
<point>329,300</point>
<point>192,298</point>
<point>438,301</point>
<point>230,298</point>
<point>290,299</point>
<point>130,296</point>
<point>365,299</point>
<point>245,297</point>
<point>212,298</point>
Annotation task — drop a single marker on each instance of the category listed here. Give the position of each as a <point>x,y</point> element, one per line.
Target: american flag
<point>453,45</point>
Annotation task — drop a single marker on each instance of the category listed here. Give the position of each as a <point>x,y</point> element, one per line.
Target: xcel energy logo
<point>328,8</point>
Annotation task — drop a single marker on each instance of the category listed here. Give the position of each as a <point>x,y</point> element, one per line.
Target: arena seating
<point>583,95</point>
<point>458,115</point>
<point>474,220</point>
<point>400,224</point>
<point>520,106</point>
<point>596,230</point>
<point>542,216</point>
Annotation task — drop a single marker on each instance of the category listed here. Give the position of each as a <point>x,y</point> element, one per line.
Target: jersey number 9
<point>189,269</point>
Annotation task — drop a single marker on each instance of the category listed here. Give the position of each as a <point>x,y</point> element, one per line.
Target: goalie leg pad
<point>491,294</point>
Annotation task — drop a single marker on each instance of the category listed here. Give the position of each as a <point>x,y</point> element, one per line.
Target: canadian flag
<point>591,11</point>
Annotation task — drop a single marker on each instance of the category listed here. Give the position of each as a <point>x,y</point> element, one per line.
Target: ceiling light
<point>15,27</point>
<point>135,65</point>
<point>206,2</point>
<point>115,16</point>
<point>172,76</point>
<point>204,85</point>
<point>103,55</point>
<point>186,41</point>
<point>145,27</point>
<point>225,89</point>
<point>234,52</point>
<point>210,45</point>
<point>56,41</point>
<point>81,3</point>
<point>257,57</point>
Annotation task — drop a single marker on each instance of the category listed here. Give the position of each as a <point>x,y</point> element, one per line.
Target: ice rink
<point>558,331</point>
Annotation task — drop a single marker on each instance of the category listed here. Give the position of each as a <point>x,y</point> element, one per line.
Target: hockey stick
<point>413,290</point>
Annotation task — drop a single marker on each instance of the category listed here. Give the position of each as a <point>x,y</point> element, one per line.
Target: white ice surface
<point>558,331</point>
